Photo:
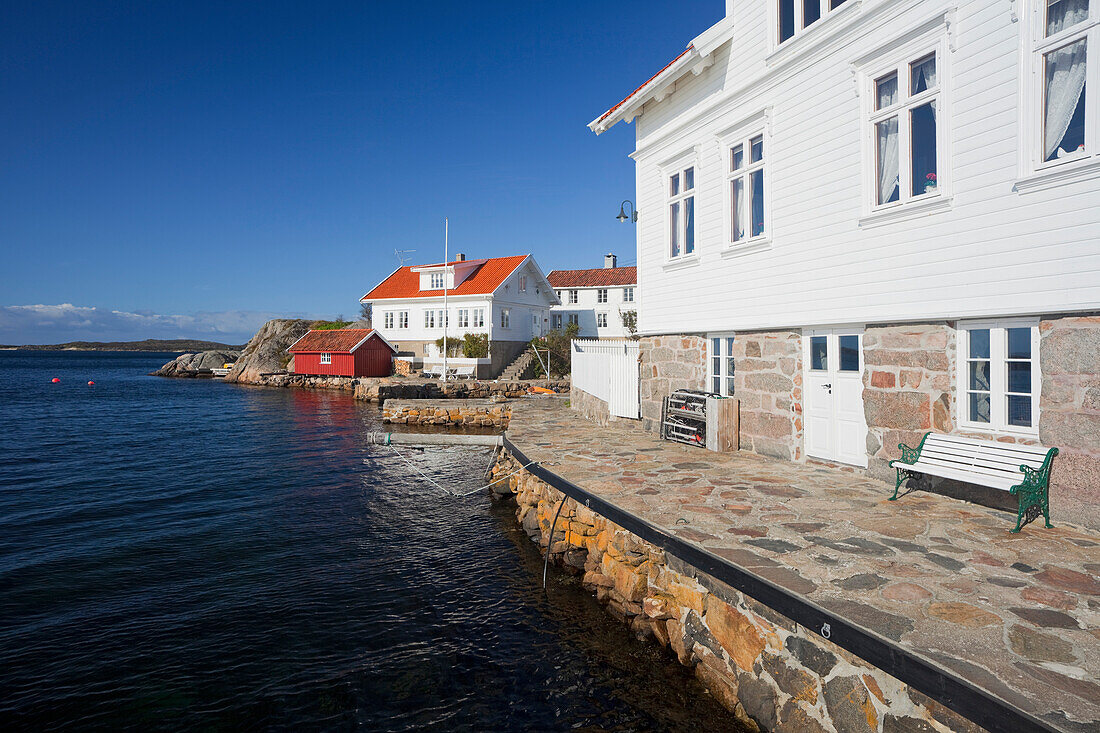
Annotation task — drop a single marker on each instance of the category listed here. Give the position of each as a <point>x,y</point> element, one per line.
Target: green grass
<point>329,325</point>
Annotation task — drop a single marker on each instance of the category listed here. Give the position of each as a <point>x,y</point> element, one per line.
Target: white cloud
<point>51,324</point>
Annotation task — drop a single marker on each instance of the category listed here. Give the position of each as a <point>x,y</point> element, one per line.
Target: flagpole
<point>446,314</point>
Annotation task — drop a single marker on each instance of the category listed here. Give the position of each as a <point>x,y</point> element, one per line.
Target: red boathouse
<point>345,352</point>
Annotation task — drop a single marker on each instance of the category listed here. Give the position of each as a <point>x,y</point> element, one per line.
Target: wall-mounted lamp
<point>633,216</point>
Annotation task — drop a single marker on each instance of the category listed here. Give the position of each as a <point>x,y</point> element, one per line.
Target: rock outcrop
<point>196,365</point>
<point>266,351</point>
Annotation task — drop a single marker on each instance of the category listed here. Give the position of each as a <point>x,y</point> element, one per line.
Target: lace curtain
<point>1064,72</point>
<point>887,159</point>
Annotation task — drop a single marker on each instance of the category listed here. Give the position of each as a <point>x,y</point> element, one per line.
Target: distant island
<point>181,345</point>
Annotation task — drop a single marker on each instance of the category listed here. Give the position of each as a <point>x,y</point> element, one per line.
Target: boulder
<point>266,351</point>
<point>195,365</point>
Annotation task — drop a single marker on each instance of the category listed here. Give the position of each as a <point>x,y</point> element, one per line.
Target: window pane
<point>923,74</point>
<point>786,19</point>
<point>886,135</point>
<point>1064,107</point>
<point>849,353</point>
<point>757,202</point>
<point>1019,377</point>
<point>716,385</point>
<point>1019,411</point>
<point>979,407</point>
<point>729,386</point>
<point>979,343</point>
<point>674,185</point>
<point>834,4</point>
<point>715,347</point>
<point>689,225</point>
<point>737,203</point>
<point>1019,343</point>
<point>716,365</point>
<point>689,179</point>
<point>1062,14</point>
<point>922,121</point>
<point>811,11</point>
<point>886,91</point>
<point>757,149</point>
<point>674,228</point>
<point>819,359</point>
<point>737,158</point>
<point>979,375</point>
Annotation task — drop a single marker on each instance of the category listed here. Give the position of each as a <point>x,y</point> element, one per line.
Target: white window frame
<point>998,375</point>
<point>436,280</point>
<point>601,295</point>
<point>680,198</point>
<point>505,318</point>
<point>573,296</point>
<point>387,319</point>
<point>403,319</point>
<point>601,320</point>
<point>827,11</point>
<point>898,62</point>
<point>1033,93</point>
<point>429,318</point>
<point>725,359</point>
<point>758,124</point>
<point>463,317</point>
<point>479,318</point>
<point>628,295</point>
<point>523,283</point>
<point>558,293</point>
<point>574,319</point>
<point>326,358</point>
<point>444,318</point>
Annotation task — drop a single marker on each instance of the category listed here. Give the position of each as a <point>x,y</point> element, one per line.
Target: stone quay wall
<point>380,390</point>
<point>590,406</point>
<point>668,363</point>
<point>482,413</point>
<point>772,674</point>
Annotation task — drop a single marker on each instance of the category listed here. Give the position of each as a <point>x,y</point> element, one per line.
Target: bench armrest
<point>1036,478</point>
<point>910,455</point>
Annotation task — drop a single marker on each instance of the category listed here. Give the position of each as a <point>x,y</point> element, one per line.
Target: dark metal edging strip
<point>990,712</point>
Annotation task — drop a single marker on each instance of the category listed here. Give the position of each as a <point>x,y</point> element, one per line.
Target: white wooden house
<point>887,216</point>
<point>507,298</point>
<point>597,300</point>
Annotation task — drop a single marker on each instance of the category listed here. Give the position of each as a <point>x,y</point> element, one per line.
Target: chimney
<point>609,261</point>
<point>460,257</point>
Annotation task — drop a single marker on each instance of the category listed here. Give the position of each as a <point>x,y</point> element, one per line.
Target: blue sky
<point>208,165</point>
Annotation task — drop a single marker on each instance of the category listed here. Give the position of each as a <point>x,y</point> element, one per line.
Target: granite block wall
<point>768,381</point>
<point>669,363</point>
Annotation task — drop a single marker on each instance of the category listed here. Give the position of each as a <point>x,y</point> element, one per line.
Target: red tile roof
<point>484,281</point>
<point>340,340</point>
<point>647,81</point>
<point>599,277</point>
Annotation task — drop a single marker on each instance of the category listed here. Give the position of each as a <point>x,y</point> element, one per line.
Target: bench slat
<point>1009,464</point>
<point>1004,484</point>
<point>986,445</point>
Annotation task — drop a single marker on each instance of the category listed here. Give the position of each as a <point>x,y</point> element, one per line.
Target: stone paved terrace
<point>1017,615</point>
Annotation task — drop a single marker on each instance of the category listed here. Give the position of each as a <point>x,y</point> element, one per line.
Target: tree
<point>366,313</point>
<point>559,343</point>
<point>630,322</point>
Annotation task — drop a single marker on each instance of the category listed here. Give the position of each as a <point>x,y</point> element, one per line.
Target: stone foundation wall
<point>772,674</point>
<point>380,390</point>
<point>768,381</point>
<point>1069,357</point>
<point>669,363</point>
<point>590,406</point>
<point>483,413</point>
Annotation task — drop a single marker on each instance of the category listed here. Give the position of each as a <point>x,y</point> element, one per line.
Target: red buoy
<point>90,383</point>
<point>56,380</point>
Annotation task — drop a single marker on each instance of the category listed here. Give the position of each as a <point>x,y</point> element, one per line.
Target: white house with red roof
<point>597,299</point>
<point>506,298</point>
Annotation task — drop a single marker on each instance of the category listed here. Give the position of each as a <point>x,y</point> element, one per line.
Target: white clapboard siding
<point>994,251</point>
<point>608,370</point>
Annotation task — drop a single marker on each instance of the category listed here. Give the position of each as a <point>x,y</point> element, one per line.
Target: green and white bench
<point>1021,470</point>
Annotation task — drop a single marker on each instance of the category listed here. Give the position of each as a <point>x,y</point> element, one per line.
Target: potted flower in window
<point>930,183</point>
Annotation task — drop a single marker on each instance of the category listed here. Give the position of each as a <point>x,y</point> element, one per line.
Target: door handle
<point>827,386</point>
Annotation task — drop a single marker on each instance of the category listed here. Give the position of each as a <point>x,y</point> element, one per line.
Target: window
<point>429,319</point>
<point>479,318</point>
<point>601,295</point>
<point>387,319</point>
<point>505,317</point>
<point>1067,35</point>
<point>444,318</point>
<point>574,319</point>
<point>463,317</point>
<point>904,130</point>
<point>601,320</point>
<point>681,213</point>
<point>403,319</point>
<point>745,181</point>
<point>558,293</point>
<point>326,358</point>
<point>721,365</point>
<point>628,295</point>
<point>795,16</point>
<point>999,376</point>
<point>523,283</point>
<point>572,297</point>
<point>436,280</point>
<point>555,321</point>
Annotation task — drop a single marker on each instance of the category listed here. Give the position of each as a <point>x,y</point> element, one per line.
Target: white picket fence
<point>608,370</point>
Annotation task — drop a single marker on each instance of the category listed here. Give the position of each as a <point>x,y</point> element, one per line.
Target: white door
<point>836,428</point>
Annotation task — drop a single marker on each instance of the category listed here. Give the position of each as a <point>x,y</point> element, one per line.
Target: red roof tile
<point>627,97</point>
<point>335,340</point>
<point>599,277</point>
<point>484,281</point>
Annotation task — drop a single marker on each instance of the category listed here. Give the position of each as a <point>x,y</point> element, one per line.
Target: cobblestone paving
<point>1018,615</point>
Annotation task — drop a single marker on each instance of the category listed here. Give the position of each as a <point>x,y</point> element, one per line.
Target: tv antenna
<point>401,258</point>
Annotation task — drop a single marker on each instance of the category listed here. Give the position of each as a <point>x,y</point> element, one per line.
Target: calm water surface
<point>189,554</point>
